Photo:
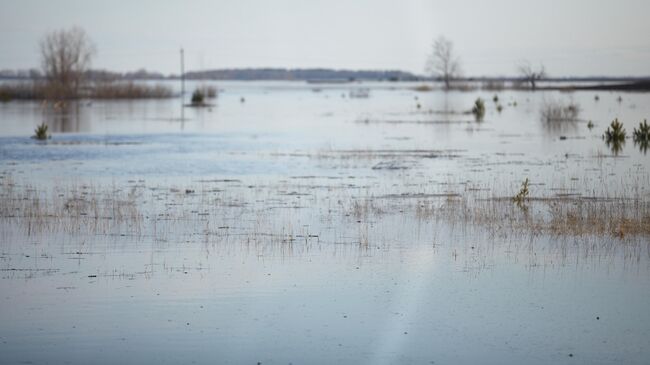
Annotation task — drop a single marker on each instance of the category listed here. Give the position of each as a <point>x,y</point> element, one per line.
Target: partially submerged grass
<point>522,195</point>
<point>40,133</point>
<point>479,109</point>
<point>643,133</point>
<point>128,90</point>
<point>22,91</point>
<point>198,98</point>
<point>615,132</point>
<point>615,136</point>
<point>200,95</point>
<point>165,212</point>
<point>38,90</point>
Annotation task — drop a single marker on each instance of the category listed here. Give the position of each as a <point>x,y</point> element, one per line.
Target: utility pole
<point>182,89</point>
<point>182,75</point>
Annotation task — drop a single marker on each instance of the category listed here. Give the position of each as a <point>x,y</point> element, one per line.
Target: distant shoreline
<point>315,75</point>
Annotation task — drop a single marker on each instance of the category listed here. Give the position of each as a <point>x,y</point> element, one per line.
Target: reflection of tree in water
<point>615,145</point>
<point>63,117</point>
<point>555,128</point>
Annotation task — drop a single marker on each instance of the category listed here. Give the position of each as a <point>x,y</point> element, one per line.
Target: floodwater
<point>300,223</point>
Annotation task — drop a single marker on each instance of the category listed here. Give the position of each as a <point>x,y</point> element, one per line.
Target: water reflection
<point>615,145</point>
<point>555,128</point>
<point>642,146</point>
<point>65,117</point>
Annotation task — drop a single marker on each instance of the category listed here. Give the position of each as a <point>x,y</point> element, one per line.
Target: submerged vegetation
<point>615,132</point>
<point>615,136</point>
<point>198,98</point>
<point>522,195</point>
<point>40,133</point>
<point>205,210</point>
<point>643,133</point>
<point>39,90</point>
<point>642,136</point>
<point>479,109</point>
<point>200,95</point>
<point>128,90</point>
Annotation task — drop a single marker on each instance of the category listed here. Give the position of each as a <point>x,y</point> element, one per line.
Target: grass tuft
<point>40,133</point>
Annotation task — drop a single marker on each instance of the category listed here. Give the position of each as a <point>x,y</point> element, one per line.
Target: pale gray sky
<point>571,37</point>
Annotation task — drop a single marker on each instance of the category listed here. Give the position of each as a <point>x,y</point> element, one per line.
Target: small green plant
<point>522,195</point>
<point>643,133</point>
<point>596,98</point>
<point>198,98</point>
<point>499,108</point>
<point>615,132</point>
<point>590,125</point>
<point>495,98</point>
<point>479,109</point>
<point>40,132</point>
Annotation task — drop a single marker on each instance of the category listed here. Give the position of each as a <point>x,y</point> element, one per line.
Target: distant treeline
<point>310,74</point>
<point>93,75</point>
<point>315,74</point>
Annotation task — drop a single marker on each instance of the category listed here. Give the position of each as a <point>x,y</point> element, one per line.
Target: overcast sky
<point>570,37</point>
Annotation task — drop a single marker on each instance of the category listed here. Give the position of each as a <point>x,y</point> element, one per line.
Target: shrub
<point>615,136</point>
<point>479,109</point>
<point>643,133</point>
<point>615,132</point>
<point>198,98</point>
<point>40,133</point>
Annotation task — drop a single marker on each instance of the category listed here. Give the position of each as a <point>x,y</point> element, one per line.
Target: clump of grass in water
<point>479,109</point>
<point>642,136</point>
<point>643,133</point>
<point>615,132</point>
<point>40,133</point>
<point>615,136</point>
<point>522,195</point>
<point>198,98</point>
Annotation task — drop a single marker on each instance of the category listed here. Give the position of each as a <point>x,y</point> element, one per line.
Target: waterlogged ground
<point>293,223</point>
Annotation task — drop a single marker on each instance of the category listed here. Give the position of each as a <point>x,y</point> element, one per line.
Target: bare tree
<point>65,57</point>
<point>442,62</point>
<point>530,74</point>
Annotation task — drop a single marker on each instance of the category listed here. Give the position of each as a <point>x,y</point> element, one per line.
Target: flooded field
<point>326,223</point>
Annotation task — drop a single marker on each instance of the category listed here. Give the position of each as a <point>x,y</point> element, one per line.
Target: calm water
<point>242,240</point>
